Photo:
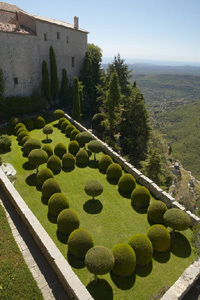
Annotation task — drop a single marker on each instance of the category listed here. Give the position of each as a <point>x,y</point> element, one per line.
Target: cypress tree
<point>1,85</point>
<point>64,88</point>
<point>46,82</point>
<point>53,74</point>
<point>76,101</point>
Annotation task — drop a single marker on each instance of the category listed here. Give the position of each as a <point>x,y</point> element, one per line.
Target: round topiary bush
<point>47,129</point>
<point>29,123</point>
<point>59,113</point>
<point>30,145</point>
<point>93,188</point>
<point>143,248</point>
<point>40,122</point>
<point>64,125</point>
<point>96,122</point>
<point>82,157</point>
<point>177,219</point>
<point>60,149</point>
<point>99,260</point>
<point>24,139</point>
<point>104,162</point>
<point>50,187</point>
<point>73,147</point>
<point>57,203</point>
<point>21,135</point>
<point>43,175</point>
<point>54,163</point>
<point>84,138</point>
<point>140,197</point>
<point>95,147</point>
<point>73,134</point>
<point>21,129</point>
<point>125,260</point>
<point>68,221</point>
<point>126,183</point>
<point>156,211</point>
<point>5,142</point>
<point>68,161</point>
<point>19,125</point>
<point>48,150</point>
<point>79,242</point>
<point>69,129</point>
<point>114,172</point>
<point>61,120</point>
<point>37,157</point>
<point>159,237</point>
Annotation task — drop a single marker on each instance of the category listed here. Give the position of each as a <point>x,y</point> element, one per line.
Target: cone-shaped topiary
<point>126,183</point>
<point>143,248</point>
<point>54,163</point>
<point>104,162</point>
<point>61,120</point>
<point>50,187</point>
<point>79,242</point>
<point>177,219</point>
<point>73,147</point>
<point>68,161</point>
<point>43,175</point>
<point>60,149</point>
<point>40,122</point>
<point>25,138</point>
<point>73,134</point>
<point>29,123</point>
<point>140,197</point>
<point>48,150</point>
<point>159,237</point>
<point>30,145</point>
<point>95,147</point>
<point>156,211</point>
<point>69,129</point>
<point>59,113</point>
<point>125,260</point>
<point>68,221</point>
<point>64,124</point>
<point>82,157</point>
<point>93,188</point>
<point>57,203</point>
<point>37,157</point>
<point>114,172</point>
<point>47,130</point>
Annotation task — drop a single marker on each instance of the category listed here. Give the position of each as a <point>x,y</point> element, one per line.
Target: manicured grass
<point>110,219</point>
<point>16,280</point>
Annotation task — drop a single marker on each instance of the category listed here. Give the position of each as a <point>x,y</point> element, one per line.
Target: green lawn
<point>110,220</point>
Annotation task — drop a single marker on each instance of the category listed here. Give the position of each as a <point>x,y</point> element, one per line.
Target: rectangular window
<point>15,80</point>
<point>45,37</point>
<point>67,39</point>
<point>72,61</point>
<point>58,35</point>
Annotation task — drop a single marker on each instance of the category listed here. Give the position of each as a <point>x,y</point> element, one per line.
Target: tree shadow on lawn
<point>123,283</point>
<point>77,263</point>
<point>51,218</point>
<point>81,166</point>
<point>101,290</point>
<point>27,166</point>
<point>139,210</point>
<point>31,180</point>
<point>180,246</point>
<point>93,164</point>
<point>55,125</point>
<point>144,271</point>
<point>112,181</point>
<point>63,238</point>
<point>44,200</point>
<point>125,195</point>
<point>45,141</point>
<point>93,206</point>
<point>162,257</point>
<point>68,170</point>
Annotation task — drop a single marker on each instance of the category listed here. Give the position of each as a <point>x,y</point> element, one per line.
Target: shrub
<point>114,172</point>
<point>69,129</point>
<point>30,145</point>
<point>73,147</point>
<point>159,237</point>
<point>82,157</point>
<point>79,242</point>
<point>177,219</point>
<point>126,183</point>
<point>93,188</point>
<point>40,122</point>
<point>73,134</point>
<point>5,142</point>
<point>140,197</point>
<point>84,138</point>
<point>96,122</point>
<point>125,260</point>
<point>57,203</point>
<point>95,147</point>
<point>68,161</point>
<point>54,163</point>
<point>21,129</point>
<point>61,120</point>
<point>64,124</point>
<point>68,221</point>
<point>47,130</point>
<point>48,150</point>
<point>13,121</point>
<point>60,149</point>
<point>24,139</point>
<point>29,123</point>
<point>37,157</point>
<point>19,125</point>
<point>104,162</point>
<point>43,175</point>
<point>59,113</point>
<point>143,248</point>
<point>21,135</point>
<point>156,211</point>
<point>50,187</point>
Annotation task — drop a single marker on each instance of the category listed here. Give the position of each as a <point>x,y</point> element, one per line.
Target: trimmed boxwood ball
<point>64,125</point>
<point>79,242</point>
<point>177,219</point>
<point>59,113</point>
<point>21,129</point>
<point>31,144</point>
<point>57,203</point>
<point>125,260</point>
<point>5,142</point>
<point>37,157</point>
<point>156,211</point>
<point>73,147</point>
<point>159,237</point>
<point>143,248</point>
<point>73,134</point>
<point>67,221</point>
<point>84,138</point>
<point>95,147</point>
<point>19,125</point>
<point>60,149</point>
<point>126,183</point>
<point>50,187</point>
<point>40,122</point>
<point>43,175</point>
<point>29,123</point>
<point>114,172</point>
<point>61,120</point>
<point>82,157</point>
<point>93,188</point>
<point>99,260</point>
<point>140,197</point>
<point>54,163</point>
<point>21,135</point>
<point>68,161</point>
<point>48,150</point>
<point>47,129</point>
<point>24,139</point>
<point>104,162</point>
<point>69,129</point>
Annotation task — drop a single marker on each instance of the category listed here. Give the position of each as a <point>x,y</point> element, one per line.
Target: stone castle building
<point>25,40</point>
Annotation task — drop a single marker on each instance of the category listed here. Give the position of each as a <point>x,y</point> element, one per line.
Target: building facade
<point>25,40</point>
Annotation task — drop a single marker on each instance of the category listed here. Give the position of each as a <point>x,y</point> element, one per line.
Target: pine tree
<point>46,82</point>
<point>64,88</point>
<point>76,101</point>
<point>53,74</point>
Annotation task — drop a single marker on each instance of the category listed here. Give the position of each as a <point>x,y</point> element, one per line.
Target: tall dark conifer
<point>76,101</point>
<point>53,74</point>
<point>64,88</point>
<point>46,89</point>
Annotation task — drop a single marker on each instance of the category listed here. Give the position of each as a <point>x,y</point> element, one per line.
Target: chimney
<point>75,22</point>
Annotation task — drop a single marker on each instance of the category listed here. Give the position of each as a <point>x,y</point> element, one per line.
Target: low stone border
<point>59,264</point>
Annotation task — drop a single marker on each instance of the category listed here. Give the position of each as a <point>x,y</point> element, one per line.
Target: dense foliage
<point>60,149</point>
<point>50,187</point>
<point>5,143</point>
<point>125,260</point>
<point>82,157</point>
<point>159,237</point>
<point>37,157</point>
<point>68,221</point>
<point>43,175</point>
<point>143,248</point>
<point>68,161</point>
<point>177,219</point>
<point>76,101</point>
<point>93,188</point>
<point>126,183</point>
<point>53,74</point>
<point>57,202</point>
<point>104,162</point>
<point>140,197</point>
<point>54,163</point>
<point>114,171</point>
<point>64,88</point>
<point>156,211</point>
<point>46,88</point>
<point>79,242</point>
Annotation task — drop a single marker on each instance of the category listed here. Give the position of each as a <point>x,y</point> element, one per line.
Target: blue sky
<point>165,30</point>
